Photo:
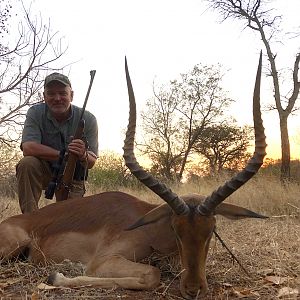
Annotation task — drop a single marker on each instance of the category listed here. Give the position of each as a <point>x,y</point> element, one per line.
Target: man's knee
<point>28,163</point>
<point>33,169</point>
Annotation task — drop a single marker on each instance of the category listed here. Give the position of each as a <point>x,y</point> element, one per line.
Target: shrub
<point>110,173</point>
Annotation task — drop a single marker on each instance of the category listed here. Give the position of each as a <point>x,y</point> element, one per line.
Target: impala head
<point>192,216</point>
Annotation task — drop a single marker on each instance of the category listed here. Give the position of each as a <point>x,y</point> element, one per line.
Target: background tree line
<point>186,125</point>
<point>187,118</point>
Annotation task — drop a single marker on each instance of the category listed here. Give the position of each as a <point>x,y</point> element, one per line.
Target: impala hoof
<point>55,278</point>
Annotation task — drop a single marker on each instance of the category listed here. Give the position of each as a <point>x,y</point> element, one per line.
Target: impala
<point>109,233</point>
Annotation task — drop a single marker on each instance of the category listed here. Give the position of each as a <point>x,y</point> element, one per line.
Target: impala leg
<point>13,240</point>
<point>113,271</point>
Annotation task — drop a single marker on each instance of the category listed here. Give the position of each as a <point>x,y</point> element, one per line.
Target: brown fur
<point>93,230</point>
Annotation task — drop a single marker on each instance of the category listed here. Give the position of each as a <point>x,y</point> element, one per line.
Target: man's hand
<point>78,148</point>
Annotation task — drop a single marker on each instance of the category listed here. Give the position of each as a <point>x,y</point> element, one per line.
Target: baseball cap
<point>57,77</point>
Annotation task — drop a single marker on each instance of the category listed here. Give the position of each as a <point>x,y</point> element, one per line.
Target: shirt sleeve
<point>91,133</point>
<point>32,130</point>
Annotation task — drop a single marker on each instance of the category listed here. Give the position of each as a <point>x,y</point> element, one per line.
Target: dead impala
<point>112,231</point>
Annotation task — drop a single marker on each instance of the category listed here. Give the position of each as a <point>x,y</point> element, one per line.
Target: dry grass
<point>267,249</point>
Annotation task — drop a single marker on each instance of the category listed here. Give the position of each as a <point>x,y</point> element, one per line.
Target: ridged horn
<point>253,165</point>
<point>174,201</point>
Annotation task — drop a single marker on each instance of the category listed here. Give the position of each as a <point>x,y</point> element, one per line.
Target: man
<point>48,129</point>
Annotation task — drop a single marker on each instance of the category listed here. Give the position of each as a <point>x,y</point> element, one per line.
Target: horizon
<point>161,40</point>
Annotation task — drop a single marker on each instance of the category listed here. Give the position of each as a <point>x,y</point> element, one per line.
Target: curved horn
<point>219,195</point>
<point>177,204</point>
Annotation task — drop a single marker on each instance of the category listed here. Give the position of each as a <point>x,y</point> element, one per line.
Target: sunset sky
<point>161,39</point>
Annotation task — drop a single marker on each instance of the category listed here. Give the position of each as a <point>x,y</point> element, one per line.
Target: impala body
<point>111,232</point>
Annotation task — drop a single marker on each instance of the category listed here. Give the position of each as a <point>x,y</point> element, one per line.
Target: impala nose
<point>191,292</point>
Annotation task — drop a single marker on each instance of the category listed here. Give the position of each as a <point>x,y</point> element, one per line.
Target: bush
<point>110,173</point>
<point>10,154</point>
<point>8,187</point>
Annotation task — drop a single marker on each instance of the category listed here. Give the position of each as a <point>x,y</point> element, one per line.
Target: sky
<point>162,39</point>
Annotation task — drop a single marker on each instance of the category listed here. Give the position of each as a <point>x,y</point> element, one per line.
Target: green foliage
<point>110,173</point>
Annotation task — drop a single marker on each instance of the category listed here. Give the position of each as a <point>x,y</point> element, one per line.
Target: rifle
<point>64,169</point>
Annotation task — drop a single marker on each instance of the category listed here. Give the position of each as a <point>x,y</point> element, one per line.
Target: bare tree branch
<point>260,19</point>
<point>22,68</point>
<point>177,115</point>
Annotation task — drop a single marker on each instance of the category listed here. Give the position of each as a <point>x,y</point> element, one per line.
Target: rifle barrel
<point>92,74</point>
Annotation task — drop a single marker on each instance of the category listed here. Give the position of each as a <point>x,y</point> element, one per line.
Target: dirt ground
<point>267,249</point>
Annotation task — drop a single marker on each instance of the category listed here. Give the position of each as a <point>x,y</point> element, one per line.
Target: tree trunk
<point>285,150</point>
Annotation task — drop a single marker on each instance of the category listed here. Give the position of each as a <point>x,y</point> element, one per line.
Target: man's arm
<point>44,152</point>
<point>91,134</point>
<point>41,151</point>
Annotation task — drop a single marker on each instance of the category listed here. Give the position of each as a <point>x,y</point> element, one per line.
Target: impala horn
<point>174,201</point>
<point>253,165</point>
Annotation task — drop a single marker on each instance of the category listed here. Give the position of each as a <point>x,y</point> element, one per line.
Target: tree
<point>25,56</point>
<point>224,145</point>
<point>177,115</point>
<point>259,19</point>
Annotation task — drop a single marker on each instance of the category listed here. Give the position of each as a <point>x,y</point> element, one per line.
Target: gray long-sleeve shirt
<point>41,127</point>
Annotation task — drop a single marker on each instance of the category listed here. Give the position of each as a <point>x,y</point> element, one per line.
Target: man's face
<point>58,97</point>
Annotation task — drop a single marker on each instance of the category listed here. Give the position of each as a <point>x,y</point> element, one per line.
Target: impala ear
<point>152,216</point>
<point>235,212</point>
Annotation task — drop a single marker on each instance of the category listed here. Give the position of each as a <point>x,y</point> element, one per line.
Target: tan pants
<point>33,176</point>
